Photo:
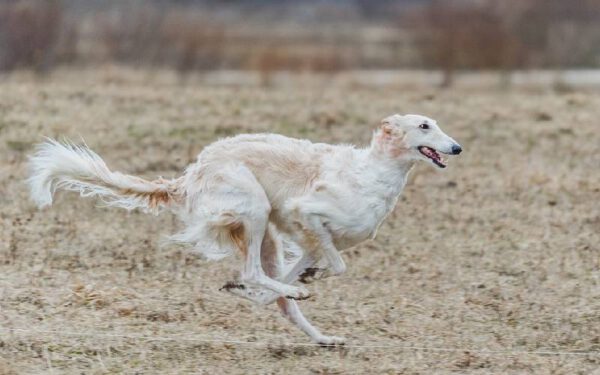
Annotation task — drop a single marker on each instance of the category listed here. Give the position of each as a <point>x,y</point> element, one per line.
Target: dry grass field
<point>499,252</point>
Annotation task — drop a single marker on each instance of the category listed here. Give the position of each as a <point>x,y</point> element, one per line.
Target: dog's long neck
<point>385,174</point>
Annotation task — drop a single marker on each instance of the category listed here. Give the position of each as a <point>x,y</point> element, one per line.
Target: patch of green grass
<point>19,146</point>
<point>227,131</point>
<point>184,132</point>
<point>137,132</point>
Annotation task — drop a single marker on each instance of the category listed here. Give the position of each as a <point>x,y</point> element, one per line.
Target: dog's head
<point>415,137</point>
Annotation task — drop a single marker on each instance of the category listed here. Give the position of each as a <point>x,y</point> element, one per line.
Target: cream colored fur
<point>260,193</point>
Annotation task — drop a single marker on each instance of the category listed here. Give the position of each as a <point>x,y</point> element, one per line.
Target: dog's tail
<point>64,165</point>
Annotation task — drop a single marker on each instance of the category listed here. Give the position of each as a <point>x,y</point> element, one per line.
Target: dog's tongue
<point>431,153</point>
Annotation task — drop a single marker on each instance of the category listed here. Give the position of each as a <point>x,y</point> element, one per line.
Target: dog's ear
<point>386,127</point>
<point>389,130</point>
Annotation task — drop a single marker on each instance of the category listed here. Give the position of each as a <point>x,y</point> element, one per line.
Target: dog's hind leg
<point>272,263</point>
<point>247,219</point>
<point>291,311</point>
<point>271,255</point>
<point>266,296</point>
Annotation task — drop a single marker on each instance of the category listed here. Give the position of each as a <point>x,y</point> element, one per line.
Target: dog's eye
<point>424,126</point>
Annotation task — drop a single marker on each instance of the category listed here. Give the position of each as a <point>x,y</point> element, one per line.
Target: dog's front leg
<point>314,237</point>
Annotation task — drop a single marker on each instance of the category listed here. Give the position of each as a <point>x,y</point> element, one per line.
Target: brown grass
<point>500,251</point>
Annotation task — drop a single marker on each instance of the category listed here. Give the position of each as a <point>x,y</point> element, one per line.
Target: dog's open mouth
<point>433,155</point>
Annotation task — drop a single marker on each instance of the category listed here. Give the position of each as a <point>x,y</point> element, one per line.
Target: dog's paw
<point>312,274</point>
<point>330,341</point>
<point>255,294</point>
<point>231,285</point>
<point>297,292</point>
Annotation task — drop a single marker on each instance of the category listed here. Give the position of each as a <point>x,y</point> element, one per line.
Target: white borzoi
<point>245,192</point>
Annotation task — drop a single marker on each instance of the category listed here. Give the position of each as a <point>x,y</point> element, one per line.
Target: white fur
<point>66,166</point>
<point>250,191</point>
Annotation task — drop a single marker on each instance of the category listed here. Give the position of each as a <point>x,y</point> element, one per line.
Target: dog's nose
<point>456,149</point>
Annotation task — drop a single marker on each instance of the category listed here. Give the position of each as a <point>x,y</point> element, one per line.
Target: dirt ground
<point>499,252</point>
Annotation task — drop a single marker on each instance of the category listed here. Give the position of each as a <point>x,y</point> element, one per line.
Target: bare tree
<point>30,33</point>
<point>464,35</point>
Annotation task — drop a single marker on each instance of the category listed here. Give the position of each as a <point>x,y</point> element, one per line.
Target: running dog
<point>244,193</point>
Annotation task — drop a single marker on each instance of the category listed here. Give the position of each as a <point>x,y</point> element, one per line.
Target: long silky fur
<point>66,166</point>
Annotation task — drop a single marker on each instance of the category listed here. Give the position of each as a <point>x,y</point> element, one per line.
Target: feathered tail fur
<point>66,166</point>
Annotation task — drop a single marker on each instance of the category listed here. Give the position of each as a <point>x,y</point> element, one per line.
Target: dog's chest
<point>360,218</point>
<point>354,200</point>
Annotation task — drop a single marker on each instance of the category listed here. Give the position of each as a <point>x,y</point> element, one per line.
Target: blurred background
<point>487,263</point>
<point>552,42</point>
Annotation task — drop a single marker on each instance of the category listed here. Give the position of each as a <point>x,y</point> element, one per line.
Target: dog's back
<point>283,166</point>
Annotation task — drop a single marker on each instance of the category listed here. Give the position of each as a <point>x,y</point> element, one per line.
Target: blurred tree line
<point>323,36</point>
<point>508,35</point>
